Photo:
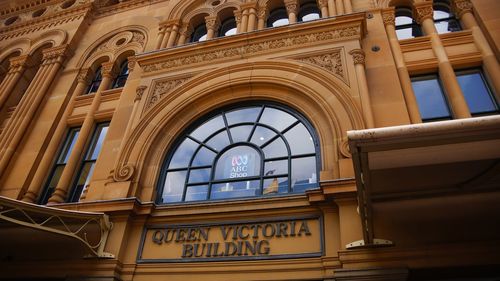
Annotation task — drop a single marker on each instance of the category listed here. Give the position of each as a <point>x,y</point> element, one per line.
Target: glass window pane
<point>304,174</point>
<point>300,140</point>
<point>196,193</point>
<point>277,148</point>
<point>235,189</point>
<point>401,20</point>
<point>276,167</point>
<point>199,175</point>
<point>241,133</point>
<point>208,128</point>
<point>83,181</point>
<point>311,16</point>
<point>183,154</point>
<point>261,135</point>
<point>440,15</point>
<point>238,162</point>
<point>51,185</point>
<point>173,187</point>
<point>243,115</point>
<point>442,27</point>
<point>219,141</point>
<point>280,22</point>
<point>275,185</point>
<point>204,157</point>
<point>277,119</point>
<point>405,33</point>
<point>476,93</point>
<point>97,145</point>
<point>430,99</point>
<point>68,146</point>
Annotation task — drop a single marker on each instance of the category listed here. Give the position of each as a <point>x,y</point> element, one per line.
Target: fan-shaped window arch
<point>122,76</point>
<point>406,26</point>
<point>444,19</point>
<point>243,151</point>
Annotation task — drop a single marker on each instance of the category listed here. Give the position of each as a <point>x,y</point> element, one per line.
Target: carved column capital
<point>84,76</point>
<point>262,12</point>
<point>250,5</point>
<point>323,4</point>
<point>107,69</point>
<point>461,7</point>
<point>237,15</point>
<point>388,16</point>
<point>55,54</point>
<point>291,6</point>
<point>186,29</point>
<point>423,11</point>
<point>358,56</point>
<point>139,92</point>
<point>132,61</point>
<point>212,22</point>
<point>19,63</point>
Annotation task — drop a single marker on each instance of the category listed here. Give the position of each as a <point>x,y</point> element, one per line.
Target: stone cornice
<point>27,6</point>
<point>124,6</point>
<point>349,27</point>
<point>45,22</point>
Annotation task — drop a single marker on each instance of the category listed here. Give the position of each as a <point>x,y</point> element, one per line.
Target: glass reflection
<point>199,175</point>
<point>277,148</point>
<point>300,140</point>
<point>204,157</point>
<point>277,119</point>
<point>241,133</point>
<point>219,141</point>
<point>275,185</point>
<point>261,135</point>
<point>430,98</point>
<point>279,167</point>
<point>238,162</point>
<point>243,115</point>
<point>476,92</point>
<point>183,154</point>
<point>303,173</point>
<point>235,189</point>
<point>196,193</point>
<point>173,187</point>
<point>208,128</point>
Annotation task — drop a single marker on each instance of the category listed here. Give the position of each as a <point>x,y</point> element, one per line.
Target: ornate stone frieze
<point>132,61</point>
<point>139,92</point>
<point>423,11</point>
<point>461,7</point>
<point>84,76</point>
<point>55,54</point>
<point>18,63</point>
<point>121,40</point>
<point>388,17</point>
<point>331,62</point>
<point>358,56</point>
<point>286,42</point>
<point>212,22</point>
<point>162,88</point>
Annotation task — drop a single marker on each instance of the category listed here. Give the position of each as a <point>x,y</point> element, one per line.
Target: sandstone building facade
<point>249,140</point>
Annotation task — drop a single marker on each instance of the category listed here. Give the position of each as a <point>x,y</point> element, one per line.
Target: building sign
<point>264,239</point>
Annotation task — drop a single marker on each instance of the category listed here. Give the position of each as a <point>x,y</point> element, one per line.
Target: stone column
<point>161,35</point>
<point>340,7</point>
<point>252,18</point>
<point>332,10</point>
<point>237,18</point>
<point>323,6</point>
<point>244,20</point>
<point>262,14</point>
<point>43,169</point>
<point>16,127</point>
<point>292,7</point>
<point>173,34</point>
<point>358,57</point>
<point>14,73</point>
<point>424,16</point>
<point>404,77</point>
<point>463,10</point>
<point>164,41</point>
<point>213,25</point>
<point>184,32</point>
<point>61,191</point>
<point>347,7</point>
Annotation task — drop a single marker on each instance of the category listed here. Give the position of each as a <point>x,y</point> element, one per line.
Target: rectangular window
<point>85,172</point>
<point>477,92</point>
<point>61,160</point>
<point>430,98</point>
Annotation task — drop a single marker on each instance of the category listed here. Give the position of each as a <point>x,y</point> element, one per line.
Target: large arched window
<point>247,151</point>
<point>406,26</point>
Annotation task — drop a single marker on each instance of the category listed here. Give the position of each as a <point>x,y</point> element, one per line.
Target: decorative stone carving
<point>132,61</point>
<point>388,17</point>
<point>139,92</point>
<point>290,41</point>
<point>121,40</point>
<point>291,6</point>
<point>212,22</point>
<point>18,63</point>
<point>461,7</point>
<point>123,173</point>
<point>422,12</point>
<point>323,3</point>
<point>84,76</point>
<point>55,54</point>
<point>358,56</point>
<point>107,69</point>
<point>331,62</point>
<point>162,88</point>
<point>237,16</point>
<point>344,149</point>
<point>262,13</point>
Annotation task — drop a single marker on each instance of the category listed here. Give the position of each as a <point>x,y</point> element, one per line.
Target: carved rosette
<point>358,56</point>
<point>123,173</point>
<point>139,92</point>
<point>331,62</point>
<point>460,7</point>
<point>55,54</point>
<point>291,6</point>
<point>388,17</point>
<point>212,22</point>
<point>423,11</point>
<point>18,63</point>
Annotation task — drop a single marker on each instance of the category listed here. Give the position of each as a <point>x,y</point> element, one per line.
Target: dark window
<point>199,33</point>
<point>57,169</point>
<point>228,27</point>
<point>406,26</point>
<point>477,92</point>
<point>85,172</point>
<point>242,152</point>
<point>309,11</point>
<point>277,17</point>
<point>430,98</point>
<point>121,78</point>
<point>96,81</point>
<point>444,19</point>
